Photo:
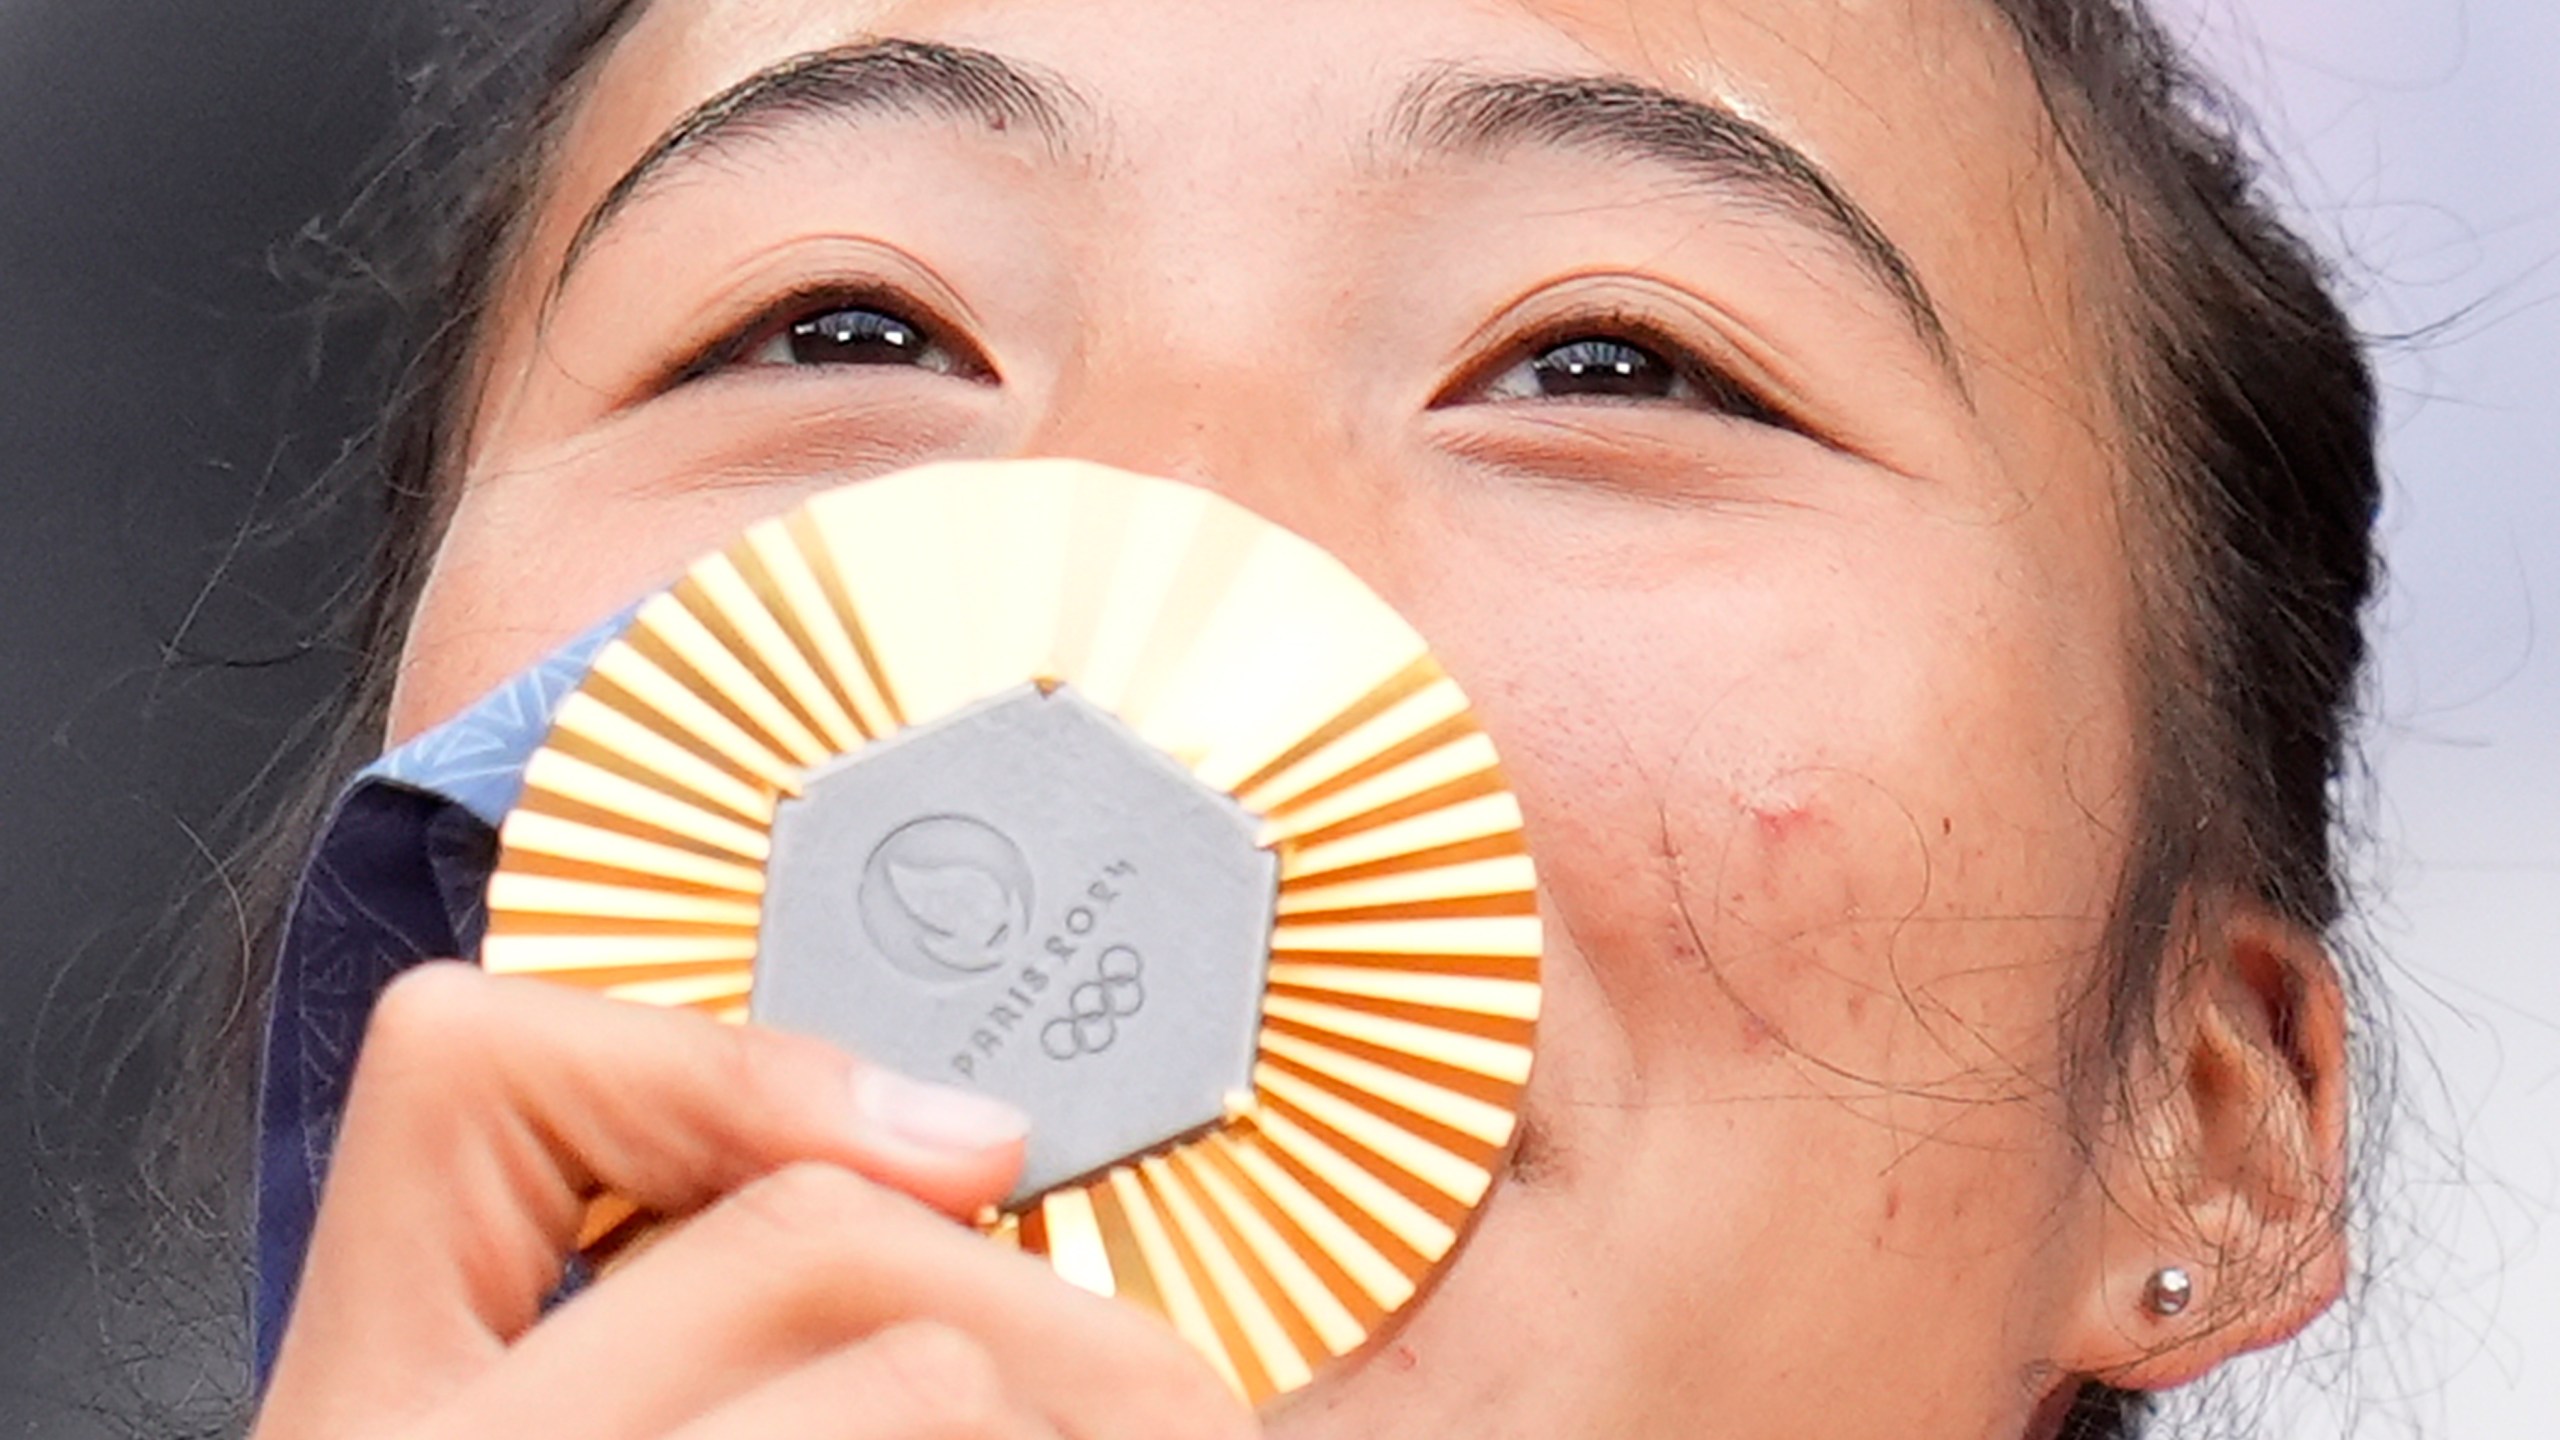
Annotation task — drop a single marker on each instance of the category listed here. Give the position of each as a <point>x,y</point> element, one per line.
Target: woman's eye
<point>1608,367</point>
<point>855,335</point>
<point>1595,366</point>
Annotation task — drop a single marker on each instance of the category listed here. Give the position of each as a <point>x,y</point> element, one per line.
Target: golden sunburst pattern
<point>1402,985</point>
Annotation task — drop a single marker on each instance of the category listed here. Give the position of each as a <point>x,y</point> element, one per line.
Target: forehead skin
<point>1826,764</point>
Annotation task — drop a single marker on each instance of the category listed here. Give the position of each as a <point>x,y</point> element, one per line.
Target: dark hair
<point>2250,412</point>
<point>2250,405</point>
<point>2250,476</point>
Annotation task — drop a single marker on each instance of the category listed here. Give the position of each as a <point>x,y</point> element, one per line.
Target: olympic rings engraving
<point>1096,1007</point>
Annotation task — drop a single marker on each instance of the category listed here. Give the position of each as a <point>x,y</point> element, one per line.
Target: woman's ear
<point>2225,1161</point>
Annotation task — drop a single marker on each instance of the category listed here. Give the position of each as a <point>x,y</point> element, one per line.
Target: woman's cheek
<point>534,558</point>
<point>1754,842</point>
<point>1718,920</point>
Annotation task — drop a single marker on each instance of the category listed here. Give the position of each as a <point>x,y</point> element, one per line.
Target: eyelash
<point>1714,388</point>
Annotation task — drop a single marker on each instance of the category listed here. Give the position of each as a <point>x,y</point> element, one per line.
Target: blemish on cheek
<point>1892,1201</point>
<point>1680,941</point>
<point>1403,1358</point>
<point>1781,823</point>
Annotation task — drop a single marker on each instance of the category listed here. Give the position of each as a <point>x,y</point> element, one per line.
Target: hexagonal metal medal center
<point>1026,899</point>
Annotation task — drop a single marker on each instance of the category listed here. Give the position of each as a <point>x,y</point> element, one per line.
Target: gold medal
<point>1106,797</point>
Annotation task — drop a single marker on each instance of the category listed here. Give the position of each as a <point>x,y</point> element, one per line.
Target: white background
<point>2419,141</point>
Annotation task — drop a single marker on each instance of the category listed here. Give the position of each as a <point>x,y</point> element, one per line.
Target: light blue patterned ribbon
<point>476,760</point>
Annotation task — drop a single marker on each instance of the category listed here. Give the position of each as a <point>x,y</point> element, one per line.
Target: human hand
<point>819,1286</point>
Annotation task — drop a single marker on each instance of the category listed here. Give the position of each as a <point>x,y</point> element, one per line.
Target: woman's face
<point>1712,381</point>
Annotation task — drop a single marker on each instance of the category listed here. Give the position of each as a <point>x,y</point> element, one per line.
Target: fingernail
<point>936,1117</point>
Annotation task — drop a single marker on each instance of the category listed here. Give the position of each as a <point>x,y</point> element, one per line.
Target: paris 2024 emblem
<point>946,895</point>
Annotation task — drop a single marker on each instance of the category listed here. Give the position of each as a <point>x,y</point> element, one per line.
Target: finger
<point>811,1259</point>
<point>483,1114</point>
<point>916,1381</point>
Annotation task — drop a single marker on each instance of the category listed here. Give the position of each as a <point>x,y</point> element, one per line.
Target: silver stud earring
<point>2169,1292</point>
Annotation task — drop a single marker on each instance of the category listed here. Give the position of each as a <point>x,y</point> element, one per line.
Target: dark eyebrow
<point>877,77</point>
<point>1456,111</point>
